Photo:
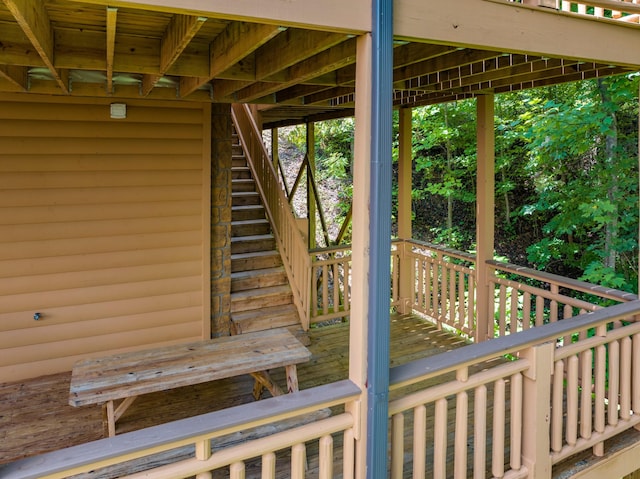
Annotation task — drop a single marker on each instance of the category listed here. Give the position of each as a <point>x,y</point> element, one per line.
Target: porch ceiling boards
<point>67,47</point>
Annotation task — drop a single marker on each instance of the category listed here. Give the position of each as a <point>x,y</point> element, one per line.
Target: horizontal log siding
<point>101,230</point>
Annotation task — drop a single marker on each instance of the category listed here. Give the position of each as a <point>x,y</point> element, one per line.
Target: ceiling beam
<point>112,17</point>
<point>179,32</point>
<point>15,75</point>
<point>315,66</point>
<point>237,41</point>
<point>34,21</point>
<point>443,62</point>
<point>291,47</point>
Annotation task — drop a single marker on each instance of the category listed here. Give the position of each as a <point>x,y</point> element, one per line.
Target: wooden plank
<point>97,196</point>
<point>108,276</point>
<point>97,110</point>
<point>21,358</point>
<point>34,21</point>
<point>99,162</point>
<point>17,75</point>
<point>98,261</point>
<point>333,15</point>
<point>66,330</point>
<point>180,31</point>
<point>41,301</point>
<point>75,230</point>
<point>112,18</point>
<point>237,41</point>
<point>33,128</point>
<point>86,146</point>
<point>105,379</point>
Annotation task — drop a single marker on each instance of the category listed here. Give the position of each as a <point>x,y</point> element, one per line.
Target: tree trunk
<point>611,144</point>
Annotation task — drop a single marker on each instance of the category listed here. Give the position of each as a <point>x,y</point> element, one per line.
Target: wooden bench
<point>127,375</point>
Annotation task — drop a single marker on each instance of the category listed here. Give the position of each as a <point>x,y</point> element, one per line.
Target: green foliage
<point>566,188</point>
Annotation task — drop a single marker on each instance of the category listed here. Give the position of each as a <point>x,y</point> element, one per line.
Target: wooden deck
<point>35,416</point>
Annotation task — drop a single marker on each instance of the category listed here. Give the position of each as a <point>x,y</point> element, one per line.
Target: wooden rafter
<point>112,15</point>
<point>236,42</point>
<point>445,62</point>
<point>292,47</point>
<point>321,63</point>
<point>15,75</point>
<point>34,21</point>
<point>180,31</point>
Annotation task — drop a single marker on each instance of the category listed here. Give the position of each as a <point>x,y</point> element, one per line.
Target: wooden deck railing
<point>331,283</point>
<point>542,406</point>
<point>197,434</point>
<point>443,289</point>
<point>291,244</point>
<point>444,284</point>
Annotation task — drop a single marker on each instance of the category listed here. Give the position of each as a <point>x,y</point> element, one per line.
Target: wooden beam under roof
<point>291,47</point>
<point>15,75</point>
<point>112,17</point>
<point>335,15</point>
<point>237,41</point>
<point>34,21</point>
<point>180,31</point>
<point>324,62</point>
<point>512,27</point>
<point>443,62</point>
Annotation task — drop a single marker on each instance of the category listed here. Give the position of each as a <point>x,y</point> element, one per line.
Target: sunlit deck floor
<point>35,416</point>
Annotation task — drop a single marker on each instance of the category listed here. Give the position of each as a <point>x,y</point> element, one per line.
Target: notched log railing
<point>331,283</point>
<point>543,404</point>
<point>442,286</point>
<point>198,435</point>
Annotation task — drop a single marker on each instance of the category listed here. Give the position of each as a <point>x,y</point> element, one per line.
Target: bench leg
<point>265,380</point>
<point>292,378</point>
<point>113,413</point>
<point>109,411</point>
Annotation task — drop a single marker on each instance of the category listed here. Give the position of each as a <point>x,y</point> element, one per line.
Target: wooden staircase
<point>261,297</point>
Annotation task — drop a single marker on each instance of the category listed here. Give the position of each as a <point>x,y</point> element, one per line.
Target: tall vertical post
<point>358,324</point>
<point>311,197</point>
<point>405,167</point>
<point>485,215</point>
<point>275,157</point>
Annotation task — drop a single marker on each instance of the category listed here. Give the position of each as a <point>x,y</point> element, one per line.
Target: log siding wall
<point>104,229</point>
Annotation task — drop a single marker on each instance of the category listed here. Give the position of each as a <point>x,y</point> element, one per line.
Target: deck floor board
<point>35,416</point>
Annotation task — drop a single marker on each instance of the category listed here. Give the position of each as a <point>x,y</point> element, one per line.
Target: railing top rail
<point>178,433</point>
<point>330,249</point>
<point>448,251</point>
<point>575,284</point>
<point>419,370</point>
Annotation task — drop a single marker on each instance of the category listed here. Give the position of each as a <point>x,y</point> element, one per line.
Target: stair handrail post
<point>291,244</point>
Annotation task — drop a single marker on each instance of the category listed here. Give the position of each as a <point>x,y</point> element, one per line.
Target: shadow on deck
<point>36,418</point>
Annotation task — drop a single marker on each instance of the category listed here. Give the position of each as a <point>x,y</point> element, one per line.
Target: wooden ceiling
<point>65,47</point>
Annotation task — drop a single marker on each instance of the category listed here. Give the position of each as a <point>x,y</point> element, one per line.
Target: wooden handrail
<point>291,244</point>
<point>137,444</point>
<point>427,368</point>
<point>563,282</point>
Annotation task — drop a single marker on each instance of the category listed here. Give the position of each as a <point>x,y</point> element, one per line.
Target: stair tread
<point>252,254</point>
<point>252,238</point>
<point>257,272</point>
<point>257,221</point>
<point>247,207</point>
<point>281,310</point>
<point>260,292</point>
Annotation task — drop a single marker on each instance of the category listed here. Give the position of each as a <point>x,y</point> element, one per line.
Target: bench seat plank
<point>119,376</point>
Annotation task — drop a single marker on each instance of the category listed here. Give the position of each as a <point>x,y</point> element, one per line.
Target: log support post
<point>405,168</point>
<point>485,216</point>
